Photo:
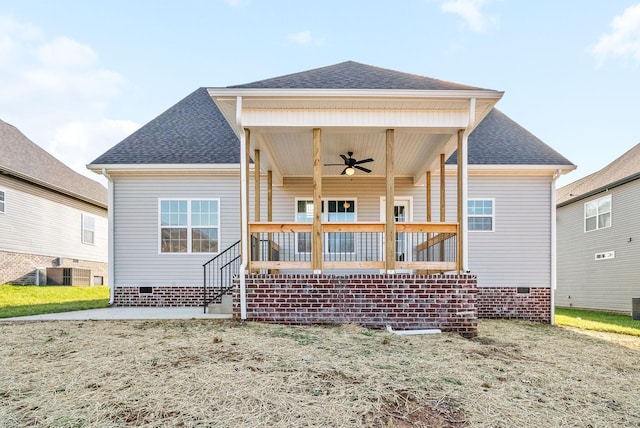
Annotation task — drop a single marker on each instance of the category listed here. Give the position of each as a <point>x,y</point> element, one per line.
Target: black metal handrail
<point>219,273</point>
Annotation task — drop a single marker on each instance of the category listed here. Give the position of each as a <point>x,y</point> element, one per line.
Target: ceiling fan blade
<point>361,168</point>
<point>344,171</point>
<point>344,158</point>
<point>364,161</point>
<point>333,164</point>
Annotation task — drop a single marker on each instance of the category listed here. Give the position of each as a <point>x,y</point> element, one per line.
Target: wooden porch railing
<point>428,247</point>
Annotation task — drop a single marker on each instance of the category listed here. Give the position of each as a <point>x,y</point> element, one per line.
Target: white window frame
<point>85,229</point>
<point>598,213</point>
<point>3,202</point>
<point>492,216</point>
<point>324,218</point>
<point>189,226</point>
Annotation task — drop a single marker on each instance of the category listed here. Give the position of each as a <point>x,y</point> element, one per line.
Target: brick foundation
<point>447,302</point>
<point>507,303</point>
<point>20,268</point>
<point>159,296</point>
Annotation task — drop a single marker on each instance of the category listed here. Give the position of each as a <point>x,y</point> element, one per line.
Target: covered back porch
<point>288,135</point>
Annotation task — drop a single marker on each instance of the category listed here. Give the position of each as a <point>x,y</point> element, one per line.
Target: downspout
<point>552,317</point>
<point>110,238</point>
<point>465,185</point>
<point>244,209</point>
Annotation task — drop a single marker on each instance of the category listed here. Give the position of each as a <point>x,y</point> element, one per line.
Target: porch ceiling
<point>291,151</point>
<point>425,124</point>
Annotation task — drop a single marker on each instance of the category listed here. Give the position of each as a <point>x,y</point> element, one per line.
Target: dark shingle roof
<point>354,75</point>
<point>22,158</point>
<point>194,131</point>
<point>622,170</point>
<point>191,132</point>
<point>498,140</point>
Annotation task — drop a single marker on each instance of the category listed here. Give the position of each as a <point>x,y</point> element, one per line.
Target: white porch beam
<point>385,118</point>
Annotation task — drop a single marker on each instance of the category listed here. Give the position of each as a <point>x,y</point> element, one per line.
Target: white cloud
<point>12,35</point>
<point>470,11</point>
<point>302,37</point>
<point>624,38</point>
<point>54,90</point>
<point>80,142</point>
<point>64,52</point>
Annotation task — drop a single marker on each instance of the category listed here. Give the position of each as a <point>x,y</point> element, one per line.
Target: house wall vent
<point>605,255</point>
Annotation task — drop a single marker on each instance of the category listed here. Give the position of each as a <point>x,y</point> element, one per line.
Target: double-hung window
<point>480,215</point>
<point>88,229</point>
<point>189,225</point>
<point>2,202</point>
<point>333,210</point>
<point>597,214</point>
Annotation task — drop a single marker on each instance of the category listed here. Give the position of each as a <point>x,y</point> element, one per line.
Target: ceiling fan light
<point>349,171</point>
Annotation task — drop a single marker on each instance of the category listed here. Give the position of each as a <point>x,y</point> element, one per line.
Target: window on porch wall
<point>337,211</point>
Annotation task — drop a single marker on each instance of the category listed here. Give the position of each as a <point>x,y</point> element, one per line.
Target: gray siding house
<point>599,236</point>
<point>239,170</point>
<point>52,219</point>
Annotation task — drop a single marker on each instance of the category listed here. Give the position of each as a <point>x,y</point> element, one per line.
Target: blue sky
<point>77,77</point>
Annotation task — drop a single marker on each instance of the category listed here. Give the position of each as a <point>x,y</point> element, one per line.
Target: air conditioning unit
<point>68,276</point>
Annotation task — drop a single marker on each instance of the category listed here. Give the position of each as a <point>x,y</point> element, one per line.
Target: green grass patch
<point>598,321</point>
<point>21,300</point>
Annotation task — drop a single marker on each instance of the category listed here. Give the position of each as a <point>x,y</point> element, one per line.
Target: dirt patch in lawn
<point>224,373</point>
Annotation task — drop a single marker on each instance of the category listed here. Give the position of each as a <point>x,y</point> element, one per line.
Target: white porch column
<point>463,186</point>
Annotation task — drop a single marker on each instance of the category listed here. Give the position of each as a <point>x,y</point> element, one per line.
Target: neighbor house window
<point>189,225</point>
<point>2,201</point>
<point>339,211</point>
<point>597,214</point>
<point>88,229</point>
<point>480,214</point>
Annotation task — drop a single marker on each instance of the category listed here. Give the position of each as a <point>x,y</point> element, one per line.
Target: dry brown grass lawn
<point>214,373</point>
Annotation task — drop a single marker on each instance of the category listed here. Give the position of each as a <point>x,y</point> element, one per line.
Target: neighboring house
<point>364,144</point>
<point>598,234</point>
<point>52,219</point>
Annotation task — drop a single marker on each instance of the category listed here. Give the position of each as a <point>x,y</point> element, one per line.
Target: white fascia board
<point>232,93</point>
<point>511,170</point>
<point>165,168</point>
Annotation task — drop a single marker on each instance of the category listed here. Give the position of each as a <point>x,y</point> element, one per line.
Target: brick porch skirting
<point>524,303</point>
<point>446,302</point>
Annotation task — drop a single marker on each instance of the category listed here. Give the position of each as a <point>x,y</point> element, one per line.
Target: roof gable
<point>623,169</point>
<point>354,75</point>
<point>23,158</point>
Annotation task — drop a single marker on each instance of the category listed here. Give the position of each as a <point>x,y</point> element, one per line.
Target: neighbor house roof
<point>624,169</point>
<point>194,131</point>
<point>22,158</point>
